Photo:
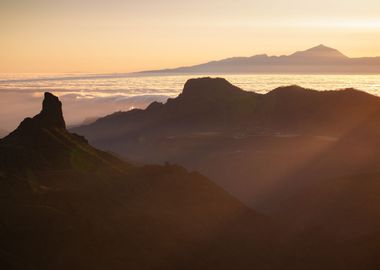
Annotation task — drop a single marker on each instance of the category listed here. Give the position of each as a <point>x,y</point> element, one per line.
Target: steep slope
<point>214,105</point>
<point>307,157</point>
<point>66,205</point>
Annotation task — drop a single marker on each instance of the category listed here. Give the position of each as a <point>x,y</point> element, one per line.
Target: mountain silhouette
<point>308,158</point>
<point>214,103</point>
<point>3,133</point>
<point>67,205</point>
<point>320,59</point>
<point>319,52</point>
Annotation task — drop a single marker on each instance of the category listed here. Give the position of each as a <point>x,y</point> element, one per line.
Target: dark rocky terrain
<point>312,172</point>
<point>67,205</point>
<point>307,158</point>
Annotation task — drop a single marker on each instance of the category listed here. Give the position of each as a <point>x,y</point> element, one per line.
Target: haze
<point>124,36</point>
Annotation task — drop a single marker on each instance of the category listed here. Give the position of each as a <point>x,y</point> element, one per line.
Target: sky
<point>49,36</point>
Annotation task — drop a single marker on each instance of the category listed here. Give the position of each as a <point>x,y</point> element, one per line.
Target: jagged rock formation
<point>214,104</point>
<point>305,157</point>
<point>67,205</point>
<point>51,114</point>
<point>42,141</point>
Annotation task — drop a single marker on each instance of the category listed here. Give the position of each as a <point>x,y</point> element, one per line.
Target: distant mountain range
<point>319,59</point>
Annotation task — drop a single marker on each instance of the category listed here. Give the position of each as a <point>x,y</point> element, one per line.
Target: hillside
<point>308,158</point>
<point>67,205</point>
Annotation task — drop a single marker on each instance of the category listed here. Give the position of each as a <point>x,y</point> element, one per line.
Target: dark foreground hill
<point>308,158</point>
<point>66,205</point>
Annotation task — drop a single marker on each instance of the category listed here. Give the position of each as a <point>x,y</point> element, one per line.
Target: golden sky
<point>123,36</point>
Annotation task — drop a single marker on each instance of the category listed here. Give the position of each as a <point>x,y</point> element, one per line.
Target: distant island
<point>318,60</point>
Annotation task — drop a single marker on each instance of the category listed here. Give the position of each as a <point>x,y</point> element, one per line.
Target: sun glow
<point>345,24</point>
<point>125,36</point>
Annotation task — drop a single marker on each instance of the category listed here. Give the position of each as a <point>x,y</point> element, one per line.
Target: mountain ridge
<point>319,59</point>
<point>66,205</point>
<point>209,89</point>
<point>236,138</point>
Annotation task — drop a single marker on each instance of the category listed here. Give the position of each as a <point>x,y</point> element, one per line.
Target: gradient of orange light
<point>123,36</point>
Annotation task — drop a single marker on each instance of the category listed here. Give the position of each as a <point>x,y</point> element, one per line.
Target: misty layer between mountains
<point>67,205</point>
<point>78,109</point>
<point>267,150</point>
<point>88,98</point>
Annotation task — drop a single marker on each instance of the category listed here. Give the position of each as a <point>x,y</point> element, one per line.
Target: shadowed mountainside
<point>66,205</point>
<point>319,59</point>
<point>306,157</point>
